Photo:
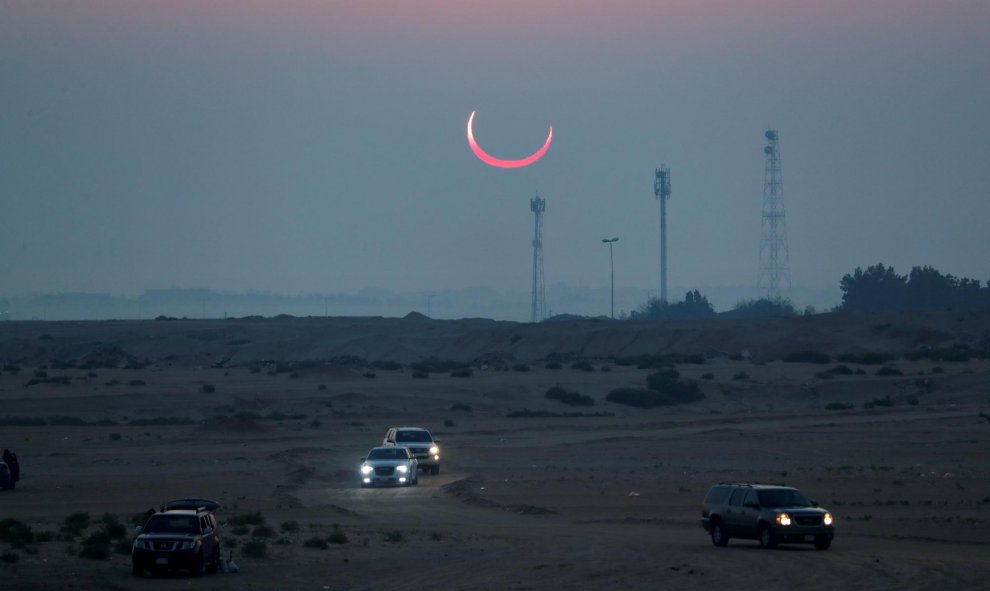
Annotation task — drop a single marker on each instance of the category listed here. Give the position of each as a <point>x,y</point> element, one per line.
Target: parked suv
<point>420,442</point>
<point>183,535</point>
<point>771,513</point>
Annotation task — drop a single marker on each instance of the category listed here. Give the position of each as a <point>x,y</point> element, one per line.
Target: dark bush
<point>567,397</point>
<point>387,365</point>
<point>460,407</point>
<point>807,357</point>
<point>464,372</point>
<point>9,557</point>
<point>16,533</point>
<point>255,549</point>
<point>889,371</point>
<point>838,406</point>
<point>254,518</point>
<point>937,369</point>
<point>75,523</point>
<point>638,398</point>
<point>316,542</point>
<point>553,365</point>
<point>420,375</point>
<point>208,388</point>
<point>289,526</point>
<point>394,536</point>
<point>865,358</point>
<point>843,370</point>
<point>520,367</point>
<point>708,376</point>
<point>583,365</point>
<point>886,401</point>
<point>676,390</point>
<point>96,547</point>
<point>337,537</point>
<point>263,531</point>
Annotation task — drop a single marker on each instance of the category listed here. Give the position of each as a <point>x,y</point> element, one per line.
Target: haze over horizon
<point>313,146</point>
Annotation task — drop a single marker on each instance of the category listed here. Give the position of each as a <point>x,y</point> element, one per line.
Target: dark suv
<point>183,535</point>
<point>420,442</point>
<point>771,513</point>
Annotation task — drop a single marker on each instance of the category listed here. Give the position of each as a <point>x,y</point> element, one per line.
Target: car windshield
<point>784,497</point>
<point>172,524</point>
<point>388,453</point>
<point>413,436</point>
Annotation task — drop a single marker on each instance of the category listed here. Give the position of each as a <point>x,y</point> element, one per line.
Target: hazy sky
<point>318,146</point>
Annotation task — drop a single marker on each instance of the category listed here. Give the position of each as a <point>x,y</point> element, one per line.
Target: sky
<point>318,146</point>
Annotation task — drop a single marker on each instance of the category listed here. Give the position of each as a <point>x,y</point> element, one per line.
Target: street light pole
<point>611,261</point>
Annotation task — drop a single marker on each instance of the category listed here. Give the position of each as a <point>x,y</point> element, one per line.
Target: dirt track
<point>545,503</point>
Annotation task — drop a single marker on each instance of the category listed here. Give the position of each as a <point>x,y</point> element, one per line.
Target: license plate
<point>161,560</point>
<point>809,538</point>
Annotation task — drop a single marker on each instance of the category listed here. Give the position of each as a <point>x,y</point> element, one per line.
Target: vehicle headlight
<point>140,545</point>
<point>366,469</point>
<point>187,545</point>
<point>827,520</point>
<point>784,519</point>
<point>434,450</point>
<point>402,469</point>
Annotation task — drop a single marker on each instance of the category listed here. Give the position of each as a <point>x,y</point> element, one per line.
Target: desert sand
<point>273,417</point>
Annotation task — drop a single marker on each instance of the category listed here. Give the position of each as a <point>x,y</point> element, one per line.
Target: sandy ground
<point>521,503</point>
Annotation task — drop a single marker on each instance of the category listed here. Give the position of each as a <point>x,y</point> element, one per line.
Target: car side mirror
<point>208,531</point>
<point>139,529</point>
<point>752,505</point>
<point>437,441</point>
<point>363,459</point>
<point>814,503</point>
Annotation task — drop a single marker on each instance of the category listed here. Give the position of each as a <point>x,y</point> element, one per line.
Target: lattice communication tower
<point>539,309</point>
<point>775,270</point>
<point>661,188</point>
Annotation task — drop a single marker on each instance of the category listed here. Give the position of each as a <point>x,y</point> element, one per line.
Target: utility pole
<point>611,261</point>
<point>661,188</point>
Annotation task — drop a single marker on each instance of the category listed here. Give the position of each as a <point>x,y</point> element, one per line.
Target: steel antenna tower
<point>661,188</point>
<point>774,264</point>
<point>539,309</point>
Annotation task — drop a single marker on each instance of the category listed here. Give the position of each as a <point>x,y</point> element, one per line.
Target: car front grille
<point>808,519</point>
<point>165,545</point>
<point>384,470</point>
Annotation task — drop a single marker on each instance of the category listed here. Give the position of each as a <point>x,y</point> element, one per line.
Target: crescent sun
<point>493,161</point>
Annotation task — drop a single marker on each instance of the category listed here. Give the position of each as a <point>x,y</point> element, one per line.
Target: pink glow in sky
<point>492,161</point>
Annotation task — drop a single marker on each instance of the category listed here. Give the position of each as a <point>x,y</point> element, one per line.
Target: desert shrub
<point>886,401</point>
<point>807,357</point>
<point>44,536</point>
<point>606,368</point>
<point>938,369</point>
<point>230,542</point>
<point>553,365</point>
<point>448,423</point>
<point>843,370</point>
<point>263,531</point>
<point>434,365</point>
<point>464,372</point>
<point>96,547</point>
<point>583,365</point>
<point>520,367</point>
<point>22,422</point>
<point>255,549</point>
<point>387,365</point>
<point>420,375</point>
<point>708,376</point>
<point>667,382</point>
<point>239,530</point>
<point>436,536</point>
<point>253,518</point>
<point>112,526</point>
<point>546,414</point>
<point>740,376</point>
<point>136,383</point>
<point>67,422</point>
<point>568,397</point>
<point>889,371</point>
<point>824,375</point>
<point>9,557</point>
<point>160,421</point>
<point>239,341</point>
<point>123,546</point>
<point>115,436</point>
<point>337,537</point>
<point>638,398</point>
<point>16,533</point>
<point>289,526</point>
<point>868,358</point>
<point>460,407</point>
<point>838,406</point>
<point>75,523</point>
<point>208,388</point>
<point>394,536</point>
<point>369,375</point>
<point>316,542</point>
<point>135,364</point>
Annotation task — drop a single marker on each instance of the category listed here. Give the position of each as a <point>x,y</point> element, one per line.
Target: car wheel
<point>719,537</point>
<point>766,537</point>
<point>435,470</point>
<point>136,570</point>
<point>214,565</point>
<point>199,565</point>
<point>822,542</point>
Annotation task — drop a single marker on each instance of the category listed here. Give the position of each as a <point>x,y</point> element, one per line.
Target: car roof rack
<point>193,504</point>
<point>752,484</point>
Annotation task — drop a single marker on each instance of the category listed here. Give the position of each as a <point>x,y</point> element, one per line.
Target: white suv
<point>420,442</point>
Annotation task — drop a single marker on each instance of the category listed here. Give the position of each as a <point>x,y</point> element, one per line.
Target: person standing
<point>10,458</point>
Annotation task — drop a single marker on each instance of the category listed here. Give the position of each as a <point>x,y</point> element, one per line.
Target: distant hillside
<point>285,338</point>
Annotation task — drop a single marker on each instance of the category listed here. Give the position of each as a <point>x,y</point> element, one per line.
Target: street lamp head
<point>606,240</point>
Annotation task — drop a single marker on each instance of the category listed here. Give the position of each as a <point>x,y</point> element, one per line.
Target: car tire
<point>435,470</point>
<point>766,537</point>
<point>822,542</point>
<point>199,565</point>
<point>136,570</point>
<point>214,565</point>
<point>719,537</point>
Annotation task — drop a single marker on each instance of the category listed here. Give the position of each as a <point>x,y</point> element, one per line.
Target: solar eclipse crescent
<point>493,161</point>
